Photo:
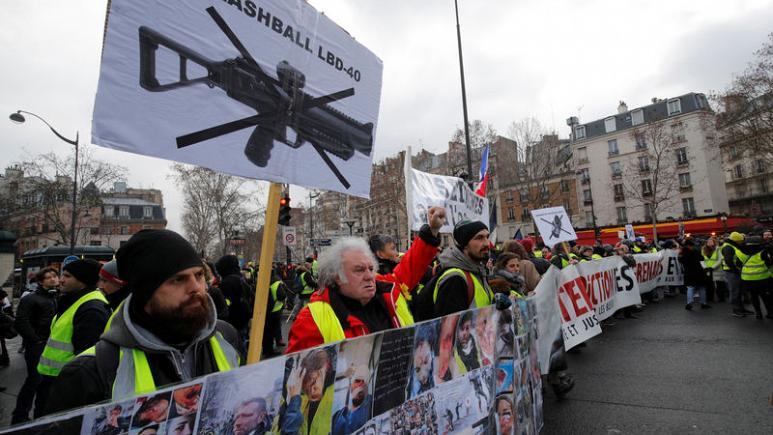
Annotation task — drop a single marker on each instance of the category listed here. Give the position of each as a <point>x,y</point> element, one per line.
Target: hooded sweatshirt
<point>236,291</point>
<point>453,288</point>
<point>89,379</point>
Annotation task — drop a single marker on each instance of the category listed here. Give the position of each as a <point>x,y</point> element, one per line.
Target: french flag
<point>483,177</point>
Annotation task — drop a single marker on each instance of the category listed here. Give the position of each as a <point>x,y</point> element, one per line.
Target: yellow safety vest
<point>754,269</point>
<point>306,289</point>
<point>278,305</point>
<point>712,260</point>
<point>323,418</point>
<point>537,254</point>
<point>596,257</point>
<point>133,376</point>
<point>330,327</point>
<point>738,254</point>
<point>482,296</point>
<point>59,350</point>
<point>636,249</point>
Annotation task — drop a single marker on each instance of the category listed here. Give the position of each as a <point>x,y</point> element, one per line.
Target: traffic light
<point>284,211</point>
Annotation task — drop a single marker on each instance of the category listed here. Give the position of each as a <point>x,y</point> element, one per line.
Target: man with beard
<point>462,284</point>
<point>251,418</point>
<point>356,413</point>
<point>165,332</point>
<point>467,356</point>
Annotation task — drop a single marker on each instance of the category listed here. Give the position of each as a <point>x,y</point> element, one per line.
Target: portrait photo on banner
<point>354,384</point>
<point>114,418</point>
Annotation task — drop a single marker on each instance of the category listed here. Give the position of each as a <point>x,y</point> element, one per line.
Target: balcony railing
<point>585,181</point>
<point>583,161</point>
<point>687,188</point>
<point>619,198</point>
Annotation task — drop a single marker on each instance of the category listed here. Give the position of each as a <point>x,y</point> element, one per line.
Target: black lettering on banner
<point>589,322</point>
<point>249,8</point>
<point>236,3</point>
<point>624,280</point>
<point>264,17</point>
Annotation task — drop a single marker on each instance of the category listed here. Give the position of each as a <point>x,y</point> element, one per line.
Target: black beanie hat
<point>150,257</point>
<point>85,271</point>
<point>464,231</point>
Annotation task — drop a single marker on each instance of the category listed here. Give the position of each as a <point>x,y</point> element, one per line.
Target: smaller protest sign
<point>554,225</point>
<point>452,193</point>
<point>629,233</point>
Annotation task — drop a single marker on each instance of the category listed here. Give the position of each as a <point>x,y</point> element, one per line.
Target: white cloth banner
<point>460,202</point>
<point>658,269</point>
<point>271,90</point>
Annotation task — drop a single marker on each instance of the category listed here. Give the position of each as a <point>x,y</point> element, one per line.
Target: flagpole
<point>464,96</point>
<point>408,198</point>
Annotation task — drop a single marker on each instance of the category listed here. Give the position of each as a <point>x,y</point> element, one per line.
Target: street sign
<point>321,242</point>
<point>288,236</point>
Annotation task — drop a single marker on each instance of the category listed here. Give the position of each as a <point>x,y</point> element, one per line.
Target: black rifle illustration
<point>556,227</point>
<point>279,102</point>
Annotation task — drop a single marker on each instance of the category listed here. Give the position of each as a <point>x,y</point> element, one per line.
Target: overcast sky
<point>543,59</point>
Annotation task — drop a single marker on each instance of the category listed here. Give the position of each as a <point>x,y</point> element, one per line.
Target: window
<point>123,211</point>
<point>761,166</point>
<point>764,185</point>
<point>679,138</point>
<point>95,243</point>
<point>586,196</point>
<point>582,156</point>
<point>612,147</point>
<point>615,167</point>
<point>525,214</point>
<point>674,107</point>
<point>579,132</point>
<point>684,180</point>
<point>688,205</point>
<point>738,171</point>
<point>510,214</point>
<point>622,216</point>
<point>147,212</point>
<point>644,164</point>
<point>609,124</point>
<point>681,156</point>
<point>584,176</point>
<point>564,186</point>
<point>124,230</point>
<point>567,207</point>
<point>637,117</point>
<point>646,187</point>
<point>619,192</point>
<point>588,219</point>
<point>641,141</point>
<point>109,211</point>
<point>647,213</point>
<point>524,194</point>
<point>509,196</point>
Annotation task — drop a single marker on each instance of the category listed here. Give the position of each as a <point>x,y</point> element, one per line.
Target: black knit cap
<point>150,257</point>
<point>465,230</point>
<point>85,271</point>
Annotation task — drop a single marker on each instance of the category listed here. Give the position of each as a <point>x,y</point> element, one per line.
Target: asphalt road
<point>671,371</point>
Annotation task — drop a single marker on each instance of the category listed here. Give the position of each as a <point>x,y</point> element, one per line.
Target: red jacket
<point>304,332</point>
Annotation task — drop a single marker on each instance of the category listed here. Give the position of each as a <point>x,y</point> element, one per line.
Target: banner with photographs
<point>572,301</point>
<point>272,90</point>
<point>471,372</point>
<point>428,190</point>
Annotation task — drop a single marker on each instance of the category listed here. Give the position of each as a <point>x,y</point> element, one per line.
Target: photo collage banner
<point>475,371</point>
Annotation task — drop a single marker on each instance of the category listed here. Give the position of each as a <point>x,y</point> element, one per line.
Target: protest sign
<point>475,371</point>
<point>629,233</point>
<point>460,202</point>
<point>275,91</point>
<point>554,225</point>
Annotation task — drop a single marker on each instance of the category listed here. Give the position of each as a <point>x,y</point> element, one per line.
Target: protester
<point>755,275</point>
<point>236,291</point>
<point>712,260</point>
<point>506,277</point>
<point>353,300</point>
<point>167,324</point>
<point>213,289</point>
<point>732,262</point>
<point>385,250</point>
<point>273,323</point>
<point>33,322</point>
<point>694,277</point>
<point>81,315</point>
<point>527,265</point>
<point>114,288</point>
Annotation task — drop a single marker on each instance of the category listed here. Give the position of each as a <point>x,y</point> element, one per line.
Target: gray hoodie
<point>453,257</point>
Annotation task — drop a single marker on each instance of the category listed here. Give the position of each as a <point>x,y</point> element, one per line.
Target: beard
<point>180,324</point>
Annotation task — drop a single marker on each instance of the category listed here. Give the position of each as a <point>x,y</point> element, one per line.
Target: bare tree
<point>46,191</point>
<point>651,181</point>
<point>480,134</point>
<point>216,206</point>
<point>746,108</point>
<point>541,159</point>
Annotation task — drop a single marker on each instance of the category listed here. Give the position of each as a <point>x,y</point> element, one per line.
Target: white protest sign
<point>274,91</point>
<point>611,285</point>
<point>554,225</point>
<point>288,236</point>
<point>673,273</point>
<point>460,202</point>
<point>629,233</point>
<point>579,321</point>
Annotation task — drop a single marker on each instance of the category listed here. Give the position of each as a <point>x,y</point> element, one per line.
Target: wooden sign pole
<point>264,274</point>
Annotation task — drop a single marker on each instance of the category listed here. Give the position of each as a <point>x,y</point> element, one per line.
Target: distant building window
<point>619,192</point>
<point>586,195</point>
<point>612,147</point>
<point>579,131</point>
<point>646,187</point>
<point>681,156</point>
<point>147,212</point>
<point>688,205</point>
<point>588,219</point>
<point>641,141</point>
<point>123,211</point>
<point>95,243</point>
<point>738,171</point>
<point>609,124</point>
<point>674,107</point>
<point>509,196</point>
<point>124,230</point>
<point>615,168</point>
<point>761,166</point>
<point>647,213</point>
<point>637,117</point>
<point>764,185</point>
<point>524,194</point>
<point>622,215</point>
<point>109,211</point>
<point>564,186</point>
<point>510,214</point>
<point>582,155</point>
<point>584,175</point>
<point>684,180</point>
<point>525,214</point>
<point>644,164</point>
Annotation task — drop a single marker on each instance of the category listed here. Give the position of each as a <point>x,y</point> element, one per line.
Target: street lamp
<point>350,223</point>
<point>19,118</point>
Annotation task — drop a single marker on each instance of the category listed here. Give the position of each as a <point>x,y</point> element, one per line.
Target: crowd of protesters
<point>159,314</point>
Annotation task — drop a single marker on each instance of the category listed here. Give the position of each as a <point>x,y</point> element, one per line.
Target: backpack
<point>422,304</point>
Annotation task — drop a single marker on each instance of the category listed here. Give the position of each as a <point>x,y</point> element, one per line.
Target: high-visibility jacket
<point>278,304</point>
<point>636,249</point>
<point>307,289</point>
<point>133,376</point>
<point>596,257</point>
<point>738,254</point>
<point>481,297</point>
<point>59,349</point>
<point>654,250</point>
<point>711,260</point>
<point>755,269</point>
<point>537,253</point>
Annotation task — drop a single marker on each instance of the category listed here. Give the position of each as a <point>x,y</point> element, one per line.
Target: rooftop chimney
<point>622,107</point>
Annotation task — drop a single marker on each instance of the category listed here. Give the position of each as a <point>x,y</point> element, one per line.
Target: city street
<point>670,371</point>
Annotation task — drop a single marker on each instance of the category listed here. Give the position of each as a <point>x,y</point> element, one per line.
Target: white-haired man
<point>353,300</point>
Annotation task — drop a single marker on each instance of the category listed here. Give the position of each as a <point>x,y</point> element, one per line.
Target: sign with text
<point>272,90</point>
<point>460,202</point>
<point>288,236</point>
<point>554,225</point>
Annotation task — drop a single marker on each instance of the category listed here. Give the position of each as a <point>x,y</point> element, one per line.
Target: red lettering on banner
<point>577,293</point>
<point>647,271</point>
